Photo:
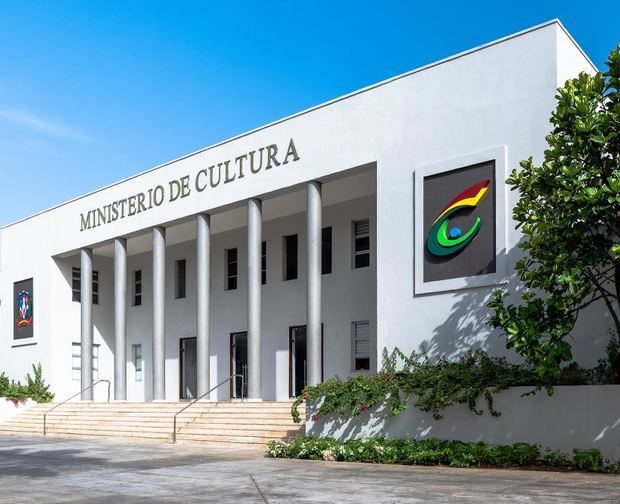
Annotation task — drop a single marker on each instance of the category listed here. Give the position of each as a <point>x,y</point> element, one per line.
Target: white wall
<point>573,417</point>
<point>348,295</point>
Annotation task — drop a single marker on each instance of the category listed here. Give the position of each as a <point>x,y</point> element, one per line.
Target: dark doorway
<point>298,360</point>
<point>188,378</point>
<point>239,364</point>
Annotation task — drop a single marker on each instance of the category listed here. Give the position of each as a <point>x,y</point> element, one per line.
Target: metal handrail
<point>194,401</point>
<point>66,400</point>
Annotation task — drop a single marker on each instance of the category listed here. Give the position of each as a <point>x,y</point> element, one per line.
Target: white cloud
<point>37,123</point>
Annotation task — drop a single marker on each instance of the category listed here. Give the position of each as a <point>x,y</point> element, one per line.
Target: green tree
<point>569,213</point>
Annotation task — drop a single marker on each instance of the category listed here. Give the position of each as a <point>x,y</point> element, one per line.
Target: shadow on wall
<point>465,328</point>
<point>583,417</point>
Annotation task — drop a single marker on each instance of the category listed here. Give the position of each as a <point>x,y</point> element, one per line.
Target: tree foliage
<point>569,213</point>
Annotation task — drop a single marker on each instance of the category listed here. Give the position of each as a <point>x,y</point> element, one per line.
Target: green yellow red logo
<point>443,242</point>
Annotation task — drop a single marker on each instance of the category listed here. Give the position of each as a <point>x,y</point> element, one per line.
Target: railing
<point>194,401</point>
<point>66,400</point>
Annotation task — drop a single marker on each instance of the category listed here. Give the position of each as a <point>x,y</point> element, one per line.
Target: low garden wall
<point>9,408</point>
<point>584,417</point>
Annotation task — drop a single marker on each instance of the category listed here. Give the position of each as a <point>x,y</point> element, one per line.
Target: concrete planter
<point>8,408</point>
<point>585,416</point>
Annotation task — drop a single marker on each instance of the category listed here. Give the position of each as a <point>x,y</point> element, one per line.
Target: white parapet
<point>584,416</point>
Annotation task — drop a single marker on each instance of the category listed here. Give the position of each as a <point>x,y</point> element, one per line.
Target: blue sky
<point>92,92</point>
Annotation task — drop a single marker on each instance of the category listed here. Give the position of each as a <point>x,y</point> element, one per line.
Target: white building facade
<point>300,250</point>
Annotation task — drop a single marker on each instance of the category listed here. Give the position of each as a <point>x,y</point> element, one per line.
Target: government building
<point>298,251</point>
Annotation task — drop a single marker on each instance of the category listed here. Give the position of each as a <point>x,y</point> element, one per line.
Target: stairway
<point>247,424</point>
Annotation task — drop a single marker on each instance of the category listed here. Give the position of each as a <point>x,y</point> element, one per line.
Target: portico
<point>211,311</point>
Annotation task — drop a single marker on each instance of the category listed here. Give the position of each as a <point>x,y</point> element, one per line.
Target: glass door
<point>239,364</point>
<point>188,369</point>
<point>298,362</point>
<point>298,359</point>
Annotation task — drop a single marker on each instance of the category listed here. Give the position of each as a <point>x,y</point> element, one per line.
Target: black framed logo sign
<point>459,222</point>
<point>460,229</point>
<point>23,309</point>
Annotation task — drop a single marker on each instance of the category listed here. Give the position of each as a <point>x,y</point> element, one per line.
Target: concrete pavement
<point>50,470</point>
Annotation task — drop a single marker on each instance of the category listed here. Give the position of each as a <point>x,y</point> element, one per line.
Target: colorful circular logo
<point>23,315</point>
<point>442,241</point>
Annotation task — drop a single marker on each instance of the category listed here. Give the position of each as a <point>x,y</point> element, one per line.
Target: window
<point>361,243</point>
<point>326,251</point>
<point>180,268</point>
<point>137,287</point>
<point>231,269</point>
<point>76,286</point>
<point>361,346</point>
<point>95,287</point>
<point>263,263</point>
<point>137,361</point>
<point>290,257</point>
<point>76,362</point>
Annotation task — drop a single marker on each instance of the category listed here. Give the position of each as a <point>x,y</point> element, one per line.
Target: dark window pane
<point>76,284</point>
<point>231,269</point>
<point>95,298</point>
<point>290,259</point>
<point>138,276</point>
<point>139,288</point>
<point>263,263</point>
<point>326,251</point>
<point>362,364</point>
<point>76,296</point>
<point>137,300</point>
<point>181,267</point>
<point>362,244</point>
<point>362,260</point>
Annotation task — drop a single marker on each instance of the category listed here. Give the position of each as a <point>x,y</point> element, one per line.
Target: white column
<point>86,308</point>
<point>159,307</point>
<point>254,298</point>
<point>313,271</point>
<point>120,319</point>
<point>203,283</point>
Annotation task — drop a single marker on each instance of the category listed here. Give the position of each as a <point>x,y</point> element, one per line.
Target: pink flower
<point>306,396</point>
<point>363,407</point>
<point>314,417</point>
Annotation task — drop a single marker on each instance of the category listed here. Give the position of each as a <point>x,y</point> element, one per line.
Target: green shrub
<point>380,450</point>
<point>16,392</point>
<point>437,384</point>
<point>35,387</point>
<point>588,460</point>
<point>556,458</point>
<point>4,384</point>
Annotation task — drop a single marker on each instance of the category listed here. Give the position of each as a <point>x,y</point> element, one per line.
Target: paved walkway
<point>45,470</point>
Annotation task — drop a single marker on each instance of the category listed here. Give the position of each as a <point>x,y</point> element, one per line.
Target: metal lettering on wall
<point>459,223</point>
<point>210,177</point>
<point>23,309</point>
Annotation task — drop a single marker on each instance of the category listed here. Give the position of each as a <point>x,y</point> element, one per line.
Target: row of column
<point>203,272</point>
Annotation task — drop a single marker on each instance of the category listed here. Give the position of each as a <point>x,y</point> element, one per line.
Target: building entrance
<point>239,364</point>
<point>188,378</point>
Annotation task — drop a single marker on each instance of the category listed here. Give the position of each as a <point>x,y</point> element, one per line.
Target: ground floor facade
<point>348,298</point>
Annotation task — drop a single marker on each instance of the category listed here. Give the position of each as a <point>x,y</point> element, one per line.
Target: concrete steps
<point>235,423</point>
